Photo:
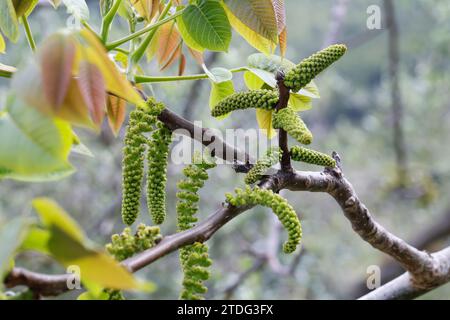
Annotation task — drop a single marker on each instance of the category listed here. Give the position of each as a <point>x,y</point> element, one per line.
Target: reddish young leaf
<point>174,56</point>
<point>182,65</point>
<point>116,108</point>
<point>169,45</point>
<point>282,38</point>
<point>280,14</point>
<point>56,60</point>
<point>92,88</point>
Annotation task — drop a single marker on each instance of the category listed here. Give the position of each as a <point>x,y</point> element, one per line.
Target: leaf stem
<point>139,52</point>
<point>144,79</point>
<point>28,33</point>
<point>108,19</point>
<point>139,33</point>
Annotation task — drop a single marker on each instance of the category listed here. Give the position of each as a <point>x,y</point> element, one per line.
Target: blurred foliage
<point>352,118</point>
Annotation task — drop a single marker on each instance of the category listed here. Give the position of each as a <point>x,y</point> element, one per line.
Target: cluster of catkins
<point>144,120</point>
<point>286,118</point>
<point>282,209</point>
<point>194,258</point>
<point>127,244</point>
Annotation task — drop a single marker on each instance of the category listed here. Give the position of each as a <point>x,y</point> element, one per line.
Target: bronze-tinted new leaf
<point>116,108</point>
<point>92,88</point>
<point>56,60</point>
<point>182,65</point>
<point>169,45</point>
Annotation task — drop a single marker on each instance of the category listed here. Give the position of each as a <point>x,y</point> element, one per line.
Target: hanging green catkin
<point>309,68</point>
<point>263,99</point>
<point>282,209</point>
<point>302,154</point>
<point>133,163</point>
<point>194,258</point>
<point>125,245</point>
<point>157,156</point>
<point>288,120</point>
<point>272,157</point>
<point>142,119</point>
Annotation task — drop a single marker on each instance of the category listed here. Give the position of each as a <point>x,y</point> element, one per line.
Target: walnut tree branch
<point>425,271</point>
<point>283,137</point>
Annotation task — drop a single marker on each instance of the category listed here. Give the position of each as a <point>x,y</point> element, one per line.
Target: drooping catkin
<point>194,258</point>
<point>288,120</point>
<point>133,163</point>
<point>309,68</point>
<point>302,154</point>
<point>157,157</point>
<point>272,157</point>
<point>282,209</point>
<point>263,99</point>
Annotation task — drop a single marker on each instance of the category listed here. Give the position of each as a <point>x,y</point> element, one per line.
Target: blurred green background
<point>353,117</point>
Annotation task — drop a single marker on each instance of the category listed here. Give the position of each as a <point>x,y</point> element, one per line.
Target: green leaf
<point>77,8</point>
<point>36,240</point>
<point>252,81</point>
<point>24,7</point>
<point>271,63</point>
<point>67,244</point>
<point>11,236</point>
<point>219,91</point>
<point>252,36</point>
<point>8,20</point>
<point>264,118</point>
<point>299,102</point>
<point>52,214</point>
<point>2,44</point>
<point>208,25</point>
<point>266,76</point>
<point>258,15</point>
<point>218,75</point>
<point>187,38</point>
<point>33,147</point>
<point>310,90</point>
<point>80,148</point>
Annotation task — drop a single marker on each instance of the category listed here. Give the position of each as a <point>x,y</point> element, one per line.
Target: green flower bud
<point>288,120</point>
<point>282,209</point>
<point>309,68</point>
<point>302,154</point>
<point>271,158</point>
<point>264,99</point>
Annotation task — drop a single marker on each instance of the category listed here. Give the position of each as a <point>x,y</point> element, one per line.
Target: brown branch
<point>42,284</point>
<point>425,271</point>
<point>242,160</point>
<point>282,134</point>
<point>424,239</point>
<point>404,286</point>
<point>334,183</point>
